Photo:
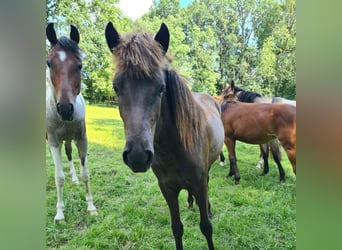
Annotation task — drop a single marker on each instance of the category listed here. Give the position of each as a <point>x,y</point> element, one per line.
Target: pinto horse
<point>65,111</point>
<point>176,132</point>
<point>258,123</point>
<point>273,145</point>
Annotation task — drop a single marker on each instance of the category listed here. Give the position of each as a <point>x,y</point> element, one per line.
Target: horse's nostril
<point>125,157</point>
<point>149,157</point>
<point>71,108</point>
<point>58,107</point>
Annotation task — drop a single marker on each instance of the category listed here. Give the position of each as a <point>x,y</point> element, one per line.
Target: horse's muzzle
<point>138,160</point>
<point>66,111</point>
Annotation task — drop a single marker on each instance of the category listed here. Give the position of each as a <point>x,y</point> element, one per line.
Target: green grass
<point>259,213</point>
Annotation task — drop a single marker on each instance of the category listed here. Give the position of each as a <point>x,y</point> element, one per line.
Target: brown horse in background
<point>258,123</point>
<point>177,132</point>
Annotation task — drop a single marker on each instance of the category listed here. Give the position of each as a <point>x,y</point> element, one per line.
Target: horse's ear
<point>112,36</point>
<point>163,37</point>
<point>74,34</point>
<point>232,84</point>
<point>51,34</point>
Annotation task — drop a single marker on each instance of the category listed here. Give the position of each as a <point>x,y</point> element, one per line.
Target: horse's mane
<point>139,56</point>
<point>183,108</point>
<point>69,45</point>
<point>245,96</point>
<point>226,104</point>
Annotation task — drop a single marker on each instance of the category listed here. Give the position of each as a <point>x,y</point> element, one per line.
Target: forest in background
<point>212,42</point>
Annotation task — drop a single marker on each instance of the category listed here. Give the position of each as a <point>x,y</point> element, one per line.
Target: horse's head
<point>65,63</point>
<point>228,94</point>
<point>139,85</point>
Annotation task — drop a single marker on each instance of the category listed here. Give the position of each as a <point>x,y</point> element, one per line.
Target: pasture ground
<point>259,213</point>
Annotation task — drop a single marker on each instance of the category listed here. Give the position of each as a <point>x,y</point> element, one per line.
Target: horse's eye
<point>48,63</point>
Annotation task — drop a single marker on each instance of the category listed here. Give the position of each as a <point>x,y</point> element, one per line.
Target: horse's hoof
<point>60,220</point>
<point>75,181</point>
<point>237,182</point>
<point>93,212</point>
<point>222,163</point>
<point>282,180</point>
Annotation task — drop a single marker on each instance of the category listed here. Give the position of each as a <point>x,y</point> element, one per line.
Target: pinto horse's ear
<point>112,36</point>
<point>51,34</point>
<point>74,34</point>
<point>163,37</point>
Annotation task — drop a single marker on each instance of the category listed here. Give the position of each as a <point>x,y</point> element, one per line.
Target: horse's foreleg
<point>82,151</point>
<point>264,153</point>
<point>68,152</point>
<point>171,197</point>
<point>203,205</point>
<point>276,153</point>
<point>59,180</point>
<point>233,170</point>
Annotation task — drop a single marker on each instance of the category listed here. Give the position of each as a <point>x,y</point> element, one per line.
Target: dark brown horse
<point>65,111</point>
<point>177,132</point>
<point>258,123</point>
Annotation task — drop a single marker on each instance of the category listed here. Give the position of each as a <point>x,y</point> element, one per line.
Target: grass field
<point>259,213</point>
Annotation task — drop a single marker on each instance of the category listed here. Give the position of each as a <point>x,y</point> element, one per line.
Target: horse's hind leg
<point>276,153</point>
<point>171,197</point>
<point>59,180</point>
<point>82,151</point>
<point>68,152</point>
<point>190,200</point>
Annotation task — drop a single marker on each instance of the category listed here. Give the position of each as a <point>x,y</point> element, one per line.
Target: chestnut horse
<point>176,132</point>
<point>273,145</point>
<point>258,123</point>
<point>65,111</point>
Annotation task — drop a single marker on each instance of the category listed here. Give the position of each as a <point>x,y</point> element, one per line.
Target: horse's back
<point>212,113</point>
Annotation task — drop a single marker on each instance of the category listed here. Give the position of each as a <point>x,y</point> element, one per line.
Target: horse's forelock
<point>139,56</point>
<point>70,45</point>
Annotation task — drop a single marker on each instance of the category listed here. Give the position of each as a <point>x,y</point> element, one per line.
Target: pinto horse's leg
<point>68,152</point>
<point>276,153</point>
<point>171,197</point>
<point>59,180</point>
<point>260,162</point>
<point>203,205</point>
<point>233,170</point>
<point>82,152</point>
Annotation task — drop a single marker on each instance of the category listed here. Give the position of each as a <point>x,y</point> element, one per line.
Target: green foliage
<point>259,213</point>
<point>212,42</point>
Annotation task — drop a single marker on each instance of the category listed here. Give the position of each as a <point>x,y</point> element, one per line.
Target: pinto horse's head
<point>139,85</point>
<point>65,63</point>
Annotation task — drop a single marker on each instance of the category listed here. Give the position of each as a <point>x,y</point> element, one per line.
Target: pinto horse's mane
<point>139,56</point>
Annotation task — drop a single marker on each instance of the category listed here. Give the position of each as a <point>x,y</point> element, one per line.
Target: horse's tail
<point>275,148</point>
